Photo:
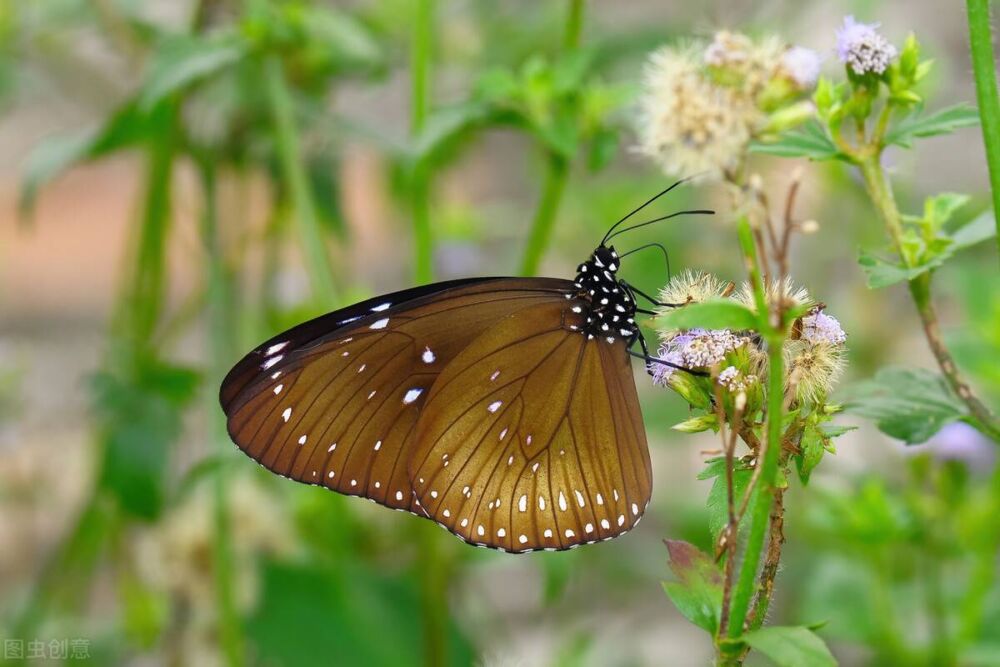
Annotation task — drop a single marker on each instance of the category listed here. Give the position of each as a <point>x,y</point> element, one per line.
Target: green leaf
<point>941,207</point>
<point>791,646</point>
<point>126,127</point>
<point>812,446</point>
<point>697,593</point>
<point>980,229</point>
<point>712,314</point>
<point>943,121</point>
<point>310,615</point>
<point>882,273</point>
<point>140,414</point>
<point>183,60</point>
<point>811,141</point>
<point>911,404</point>
<point>718,504</point>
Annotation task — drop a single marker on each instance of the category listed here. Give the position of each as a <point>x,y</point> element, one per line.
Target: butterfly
<point>503,409</point>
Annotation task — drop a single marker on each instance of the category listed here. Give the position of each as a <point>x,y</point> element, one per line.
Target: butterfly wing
<point>532,438</point>
<point>334,401</point>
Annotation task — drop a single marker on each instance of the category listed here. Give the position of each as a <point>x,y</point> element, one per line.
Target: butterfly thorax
<point>610,309</point>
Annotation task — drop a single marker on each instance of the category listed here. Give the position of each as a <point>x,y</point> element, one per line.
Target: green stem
<point>220,325</point>
<point>317,260</point>
<point>420,73</point>
<point>984,69</point>
<point>434,568</point>
<point>982,578</point>
<point>574,25</point>
<point>556,174</point>
<point>773,331</point>
<point>920,291</point>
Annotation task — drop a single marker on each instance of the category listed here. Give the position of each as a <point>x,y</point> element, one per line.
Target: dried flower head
<point>688,124</point>
<point>784,291</point>
<point>813,370</point>
<point>800,66</point>
<point>692,287</point>
<point>819,328</point>
<point>862,48</point>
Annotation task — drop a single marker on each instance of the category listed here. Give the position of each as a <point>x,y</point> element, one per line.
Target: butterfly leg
<point>635,290</point>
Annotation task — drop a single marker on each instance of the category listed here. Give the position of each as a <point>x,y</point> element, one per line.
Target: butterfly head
<point>611,309</point>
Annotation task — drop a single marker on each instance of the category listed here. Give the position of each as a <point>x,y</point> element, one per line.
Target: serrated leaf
<point>791,646</point>
<point>811,141</point>
<point>943,121</point>
<point>697,593</point>
<point>911,404</point>
<point>712,314</point>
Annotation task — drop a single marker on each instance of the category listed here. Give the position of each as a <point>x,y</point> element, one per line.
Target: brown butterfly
<point>504,409</point>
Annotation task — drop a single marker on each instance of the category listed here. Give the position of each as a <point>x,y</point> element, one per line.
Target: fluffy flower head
<point>862,48</point>
<point>688,125</point>
<point>692,287</point>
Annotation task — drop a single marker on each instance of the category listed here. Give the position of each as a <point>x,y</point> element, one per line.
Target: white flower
<point>822,328</point>
<point>689,125</point>
<point>862,48</point>
<point>801,66</point>
<point>728,49</point>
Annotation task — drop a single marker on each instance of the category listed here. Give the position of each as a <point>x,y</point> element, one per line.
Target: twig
<point>775,541</point>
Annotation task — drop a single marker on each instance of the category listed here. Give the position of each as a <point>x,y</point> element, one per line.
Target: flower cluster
<point>814,353</point>
<point>862,48</point>
<point>702,105</point>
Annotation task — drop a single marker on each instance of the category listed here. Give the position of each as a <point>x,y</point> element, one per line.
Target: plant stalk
<point>420,83</point>
<point>987,98</point>
<point>220,321</point>
<point>556,175</point>
<point>920,291</point>
<point>317,260</point>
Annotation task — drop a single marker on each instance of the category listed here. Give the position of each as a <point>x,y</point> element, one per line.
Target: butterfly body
<point>504,409</point>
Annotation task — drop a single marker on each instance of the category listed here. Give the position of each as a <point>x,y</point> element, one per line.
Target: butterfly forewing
<point>532,439</point>
<point>335,401</point>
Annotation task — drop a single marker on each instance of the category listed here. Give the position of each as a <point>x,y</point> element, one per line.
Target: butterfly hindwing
<point>532,437</point>
<point>335,401</point>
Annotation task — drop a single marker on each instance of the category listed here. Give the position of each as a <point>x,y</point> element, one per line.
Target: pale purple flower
<point>697,348</point>
<point>862,48</point>
<point>822,328</point>
<point>801,65</point>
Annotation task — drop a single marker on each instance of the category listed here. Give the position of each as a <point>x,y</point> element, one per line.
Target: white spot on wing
<point>494,406</point>
<point>562,501</point>
<point>579,499</point>
<point>286,414</point>
<point>302,440</point>
<point>277,390</point>
<point>428,356</point>
<point>382,306</point>
<point>379,324</point>
<point>522,503</point>
<point>412,395</point>
<point>277,347</point>
<point>270,362</point>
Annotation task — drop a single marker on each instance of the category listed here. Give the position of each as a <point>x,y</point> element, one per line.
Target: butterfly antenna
<point>644,205</point>
<point>666,255</point>
<point>696,211</point>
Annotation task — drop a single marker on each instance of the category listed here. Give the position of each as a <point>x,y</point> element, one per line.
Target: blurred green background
<point>183,179</point>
